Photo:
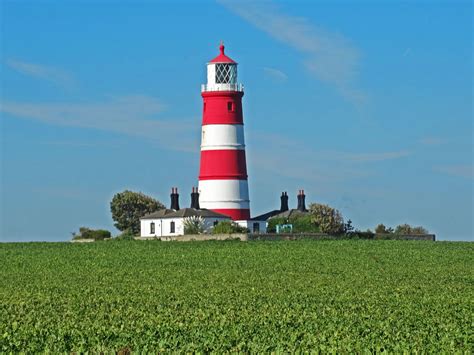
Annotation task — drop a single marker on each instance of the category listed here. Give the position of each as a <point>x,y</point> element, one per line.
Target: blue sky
<point>366,105</point>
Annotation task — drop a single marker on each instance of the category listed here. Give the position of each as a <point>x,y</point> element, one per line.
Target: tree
<point>419,230</point>
<point>407,229</point>
<point>348,227</point>
<point>327,218</point>
<point>128,207</point>
<point>381,229</point>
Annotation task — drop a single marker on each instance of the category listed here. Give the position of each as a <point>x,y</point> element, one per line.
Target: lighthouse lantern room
<point>223,185</point>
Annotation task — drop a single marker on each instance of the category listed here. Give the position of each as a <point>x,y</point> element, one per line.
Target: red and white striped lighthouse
<point>223,183</point>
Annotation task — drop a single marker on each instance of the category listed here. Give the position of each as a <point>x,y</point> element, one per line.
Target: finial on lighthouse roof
<point>222,58</point>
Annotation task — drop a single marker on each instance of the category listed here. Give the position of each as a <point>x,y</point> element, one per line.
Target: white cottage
<point>170,222</point>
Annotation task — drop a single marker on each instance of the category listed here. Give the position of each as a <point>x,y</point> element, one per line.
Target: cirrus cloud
<point>329,56</point>
<point>133,115</point>
<point>55,75</point>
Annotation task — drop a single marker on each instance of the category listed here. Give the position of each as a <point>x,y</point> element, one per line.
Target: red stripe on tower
<point>223,183</point>
<point>223,164</point>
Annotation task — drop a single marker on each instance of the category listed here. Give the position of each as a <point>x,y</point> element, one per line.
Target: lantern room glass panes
<point>226,73</point>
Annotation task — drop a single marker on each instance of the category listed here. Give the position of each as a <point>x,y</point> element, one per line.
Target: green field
<point>348,295</point>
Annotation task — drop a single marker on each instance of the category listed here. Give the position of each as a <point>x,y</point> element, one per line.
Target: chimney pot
<point>284,202</point>
<point>174,199</point>
<point>302,202</point>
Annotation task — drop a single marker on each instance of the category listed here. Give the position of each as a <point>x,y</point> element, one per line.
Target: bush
<point>96,234</point>
<point>301,224</point>
<point>327,218</point>
<point>407,230</point>
<point>193,225</point>
<point>273,222</point>
<point>126,235</point>
<point>228,227</point>
<point>368,234</point>
<point>381,229</point>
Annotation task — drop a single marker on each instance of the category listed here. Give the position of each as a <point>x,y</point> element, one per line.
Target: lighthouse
<point>223,185</point>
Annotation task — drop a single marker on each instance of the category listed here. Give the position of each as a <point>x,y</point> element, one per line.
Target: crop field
<point>345,296</point>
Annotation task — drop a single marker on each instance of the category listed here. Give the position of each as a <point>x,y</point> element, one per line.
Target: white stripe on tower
<point>224,194</point>
<point>222,136</point>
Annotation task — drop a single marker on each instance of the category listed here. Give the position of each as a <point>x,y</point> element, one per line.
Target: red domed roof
<point>222,58</point>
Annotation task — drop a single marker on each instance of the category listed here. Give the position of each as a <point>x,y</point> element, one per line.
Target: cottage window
<point>172,227</point>
<point>152,228</point>
<point>216,222</point>
<point>256,227</point>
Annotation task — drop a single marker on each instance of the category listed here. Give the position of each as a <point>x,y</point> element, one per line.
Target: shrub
<point>303,224</point>
<point>126,235</point>
<point>193,225</point>
<point>368,234</point>
<point>407,229</point>
<point>96,234</point>
<point>327,218</point>
<point>273,222</point>
<point>228,227</point>
<point>381,229</point>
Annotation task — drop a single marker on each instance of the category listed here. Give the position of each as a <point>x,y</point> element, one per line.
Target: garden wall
<point>286,236</point>
<point>323,236</point>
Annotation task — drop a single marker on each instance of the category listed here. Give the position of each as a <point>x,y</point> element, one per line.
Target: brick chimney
<point>174,199</point>
<point>284,202</point>
<point>301,201</point>
<point>195,198</point>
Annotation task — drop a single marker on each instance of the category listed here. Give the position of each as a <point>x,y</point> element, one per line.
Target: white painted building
<point>254,225</point>
<point>168,222</point>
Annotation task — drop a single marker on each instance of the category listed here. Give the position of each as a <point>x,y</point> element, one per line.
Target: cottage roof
<point>184,212</point>
<point>158,214</point>
<point>266,216</point>
<point>291,213</point>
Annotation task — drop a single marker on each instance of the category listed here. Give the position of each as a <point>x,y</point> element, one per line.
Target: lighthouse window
<point>152,228</point>
<point>226,73</point>
<point>230,106</point>
<point>172,227</point>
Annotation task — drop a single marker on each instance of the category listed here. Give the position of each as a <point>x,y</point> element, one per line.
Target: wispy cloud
<point>373,157</point>
<point>68,193</point>
<point>295,159</point>
<point>130,115</point>
<point>327,55</point>
<point>275,74</point>
<point>465,171</point>
<point>432,141</point>
<point>55,75</point>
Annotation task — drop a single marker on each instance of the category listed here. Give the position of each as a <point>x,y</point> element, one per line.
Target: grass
<point>345,296</point>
